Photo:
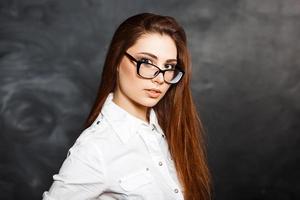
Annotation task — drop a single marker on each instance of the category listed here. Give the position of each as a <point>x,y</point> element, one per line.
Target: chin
<point>149,102</point>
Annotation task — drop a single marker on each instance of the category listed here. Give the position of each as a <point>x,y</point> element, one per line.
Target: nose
<point>159,78</point>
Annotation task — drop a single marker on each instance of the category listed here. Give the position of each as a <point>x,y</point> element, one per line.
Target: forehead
<point>161,45</point>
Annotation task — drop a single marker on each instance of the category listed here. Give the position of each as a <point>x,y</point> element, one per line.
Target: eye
<point>145,60</point>
<point>170,66</point>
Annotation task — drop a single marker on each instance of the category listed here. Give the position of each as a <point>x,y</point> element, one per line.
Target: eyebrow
<point>155,57</point>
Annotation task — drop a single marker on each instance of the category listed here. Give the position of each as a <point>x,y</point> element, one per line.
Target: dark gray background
<point>246,83</point>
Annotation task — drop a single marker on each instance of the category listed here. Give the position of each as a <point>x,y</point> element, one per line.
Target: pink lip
<point>153,93</point>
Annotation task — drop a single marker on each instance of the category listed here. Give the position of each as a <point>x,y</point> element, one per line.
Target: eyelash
<point>172,65</point>
<point>147,60</point>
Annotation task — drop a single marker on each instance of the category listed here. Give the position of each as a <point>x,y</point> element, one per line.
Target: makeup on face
<point>134,92</point>
<point>153,58</point>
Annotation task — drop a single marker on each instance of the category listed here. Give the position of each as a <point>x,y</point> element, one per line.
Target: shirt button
<point>160,163</point>
<point>176,190</point>
<point>98,122</point>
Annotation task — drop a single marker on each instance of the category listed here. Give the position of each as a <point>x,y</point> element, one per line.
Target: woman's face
<point>132,89</point>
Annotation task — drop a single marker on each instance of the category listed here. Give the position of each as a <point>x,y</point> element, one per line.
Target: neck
<point>130,106</point>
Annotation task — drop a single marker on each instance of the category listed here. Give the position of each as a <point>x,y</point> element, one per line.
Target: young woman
<point>143,137</point>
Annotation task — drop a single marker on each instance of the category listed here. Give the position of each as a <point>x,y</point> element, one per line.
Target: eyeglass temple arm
<point>130,57</point>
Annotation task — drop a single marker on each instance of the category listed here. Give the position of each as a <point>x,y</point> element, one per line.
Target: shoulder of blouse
<point>96,132</point>
<point>88,147</point>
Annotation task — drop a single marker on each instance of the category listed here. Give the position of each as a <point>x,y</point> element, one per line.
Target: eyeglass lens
<point>151,71</point>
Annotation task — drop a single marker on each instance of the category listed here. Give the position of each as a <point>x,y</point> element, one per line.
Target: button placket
<point>156,153</point>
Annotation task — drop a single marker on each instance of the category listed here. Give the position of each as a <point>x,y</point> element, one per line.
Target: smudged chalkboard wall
<point>246,83</point>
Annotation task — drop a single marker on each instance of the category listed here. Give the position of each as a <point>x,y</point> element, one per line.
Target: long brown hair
<point>176,111</point>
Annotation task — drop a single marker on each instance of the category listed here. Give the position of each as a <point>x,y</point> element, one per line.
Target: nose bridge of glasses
<point>159,74</point>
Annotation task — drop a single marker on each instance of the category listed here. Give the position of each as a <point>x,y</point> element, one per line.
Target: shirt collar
<point>125,124</point>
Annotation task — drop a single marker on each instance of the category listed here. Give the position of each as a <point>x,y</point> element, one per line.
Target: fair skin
<point>133,93</point>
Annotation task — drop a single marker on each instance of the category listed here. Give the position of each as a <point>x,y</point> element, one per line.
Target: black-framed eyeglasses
<point>149,71</point>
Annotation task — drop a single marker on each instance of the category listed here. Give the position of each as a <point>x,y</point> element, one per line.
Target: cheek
<point>125,72</point>
<point>166,88</point>
<point>127,75</point>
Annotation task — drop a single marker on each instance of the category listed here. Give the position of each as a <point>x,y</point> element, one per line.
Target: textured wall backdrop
<point>246,83</point>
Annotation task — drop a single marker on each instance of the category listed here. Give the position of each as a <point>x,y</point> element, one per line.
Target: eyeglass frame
<point>138,65</point>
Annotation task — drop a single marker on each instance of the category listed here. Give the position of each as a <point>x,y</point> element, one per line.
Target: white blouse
<point>118,157</point>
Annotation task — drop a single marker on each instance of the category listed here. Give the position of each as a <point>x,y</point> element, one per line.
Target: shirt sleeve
<point>82,175</point>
